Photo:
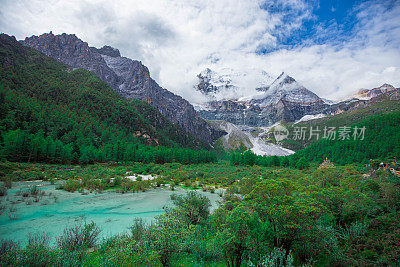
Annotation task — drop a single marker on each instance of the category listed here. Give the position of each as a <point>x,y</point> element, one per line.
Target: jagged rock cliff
<point>129,78</point>
<point>371,93</point>
<point>283,100</point>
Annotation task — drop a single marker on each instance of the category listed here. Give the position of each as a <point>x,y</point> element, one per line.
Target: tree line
<point>50,113</point>
<point>249,158</point>
<point>381,140</point>
<point>24,147</point>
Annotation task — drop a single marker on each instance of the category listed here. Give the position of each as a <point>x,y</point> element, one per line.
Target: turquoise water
<point>57,209</point>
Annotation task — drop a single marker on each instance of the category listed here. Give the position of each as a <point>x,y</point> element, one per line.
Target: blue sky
<point>330,21</point>
<point>339,16</point>
<point>333,47</point>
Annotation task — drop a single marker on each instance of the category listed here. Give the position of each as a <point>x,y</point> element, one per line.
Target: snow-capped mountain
<point>230,84</point>
<point>366,94</point>
<point>255,86</point>
<point>286,88</point>
<point>254,98</point>
<point>241,103</point>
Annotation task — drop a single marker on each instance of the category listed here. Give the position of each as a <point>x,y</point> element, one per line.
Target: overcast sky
<point>332,47</point>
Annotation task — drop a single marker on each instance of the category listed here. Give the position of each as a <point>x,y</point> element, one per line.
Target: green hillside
<point>381,140</point>
<point>51,113</point>
<point>382,105</point>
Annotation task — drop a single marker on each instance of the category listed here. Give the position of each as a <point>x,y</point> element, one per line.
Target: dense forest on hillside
<point>51,113</point>
<point>381,105</point>
<point>380,141</point>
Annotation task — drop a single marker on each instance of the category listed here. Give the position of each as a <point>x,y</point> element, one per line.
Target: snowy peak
<point>285,79</point>
<point>385,88</point>
<point>282,80</point>
<point>285,82</point>
<point>255,86</point>
<point>366,94</point>
<point>227,83</point>
<point>285,88</point>
<point>211,82</point>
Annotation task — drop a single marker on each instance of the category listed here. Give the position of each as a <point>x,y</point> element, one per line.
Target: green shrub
<point>38,238</point>
<point>80,236</point>
<point>277,258</point>
<point>38,255</point>
<point>193,206</point>
<point>3,190</point>
<point>9,252</point>
<point>138,229</point>
<point>72,185</point>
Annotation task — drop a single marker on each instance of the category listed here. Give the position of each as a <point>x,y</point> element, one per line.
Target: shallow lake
<point>112,212</point>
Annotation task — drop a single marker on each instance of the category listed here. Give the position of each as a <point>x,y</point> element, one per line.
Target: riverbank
<point>51,210</point>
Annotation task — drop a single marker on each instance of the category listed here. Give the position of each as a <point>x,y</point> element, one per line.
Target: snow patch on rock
<point>311,117</point>
<point>253,138</point>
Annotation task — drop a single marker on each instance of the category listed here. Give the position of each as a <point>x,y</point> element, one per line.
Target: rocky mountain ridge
<point>246,137</point>
<point>283,100</point>
<point>129,78</point>
<point>257,138</point>
<point>284,88</point>
<point>366,94</point>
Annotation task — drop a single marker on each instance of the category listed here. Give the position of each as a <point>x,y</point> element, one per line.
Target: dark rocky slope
<point>129,78</point>
<point>284,100</point>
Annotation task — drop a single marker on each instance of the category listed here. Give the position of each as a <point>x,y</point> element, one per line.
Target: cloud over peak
<point>178,39</point>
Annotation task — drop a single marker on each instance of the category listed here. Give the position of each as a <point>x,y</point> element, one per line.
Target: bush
<point>193,206</point>
<point>117,181</point>
<point>122,251</point>
<point>166,236</point>
<point>3,191</point>
<point>8,252</point>
<point>79,236</point>
<point>126,186</point>
<point>277,258</point>
<point>8,183</point>
<point>302,163</point>
<point>202,246</point>
<point>172,186</point>
<point>34,191</point>
<point>38,255</point>
<point>39,238</point>
<point>71,185</point>
<point>138,229</point>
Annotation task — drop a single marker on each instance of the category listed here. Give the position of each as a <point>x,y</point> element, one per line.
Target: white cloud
<point>177,39</point>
